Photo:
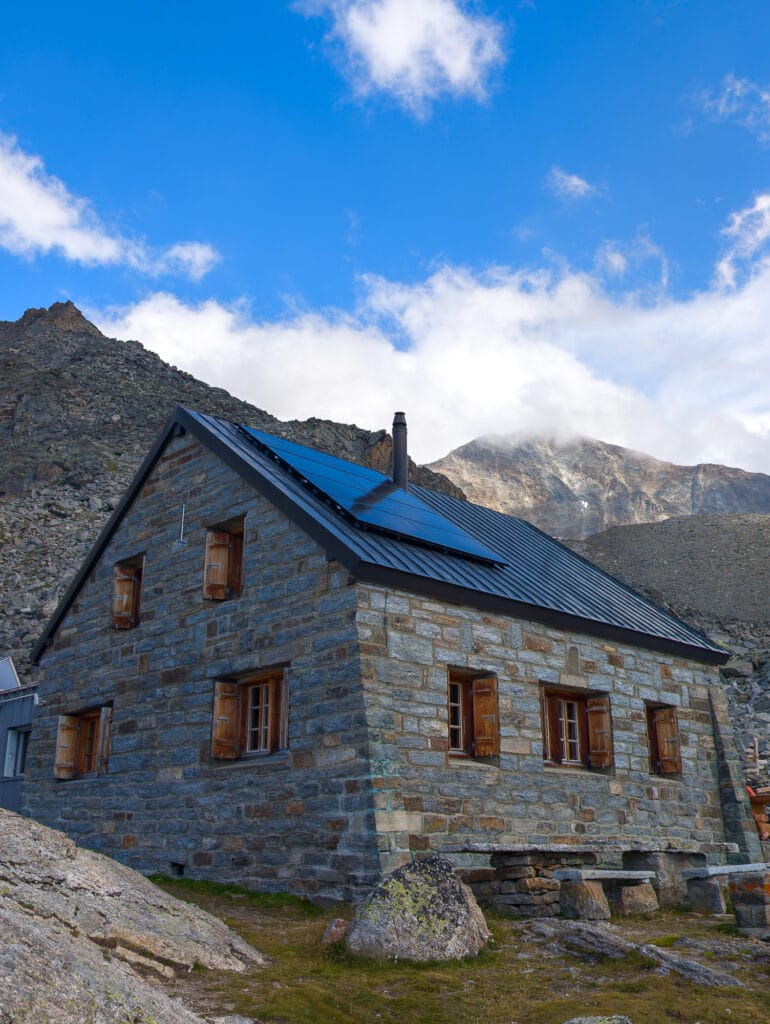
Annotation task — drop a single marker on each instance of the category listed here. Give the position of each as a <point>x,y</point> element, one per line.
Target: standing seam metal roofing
<point>536,571</point>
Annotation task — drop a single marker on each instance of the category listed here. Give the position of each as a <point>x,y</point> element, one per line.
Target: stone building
<point>281,669</point>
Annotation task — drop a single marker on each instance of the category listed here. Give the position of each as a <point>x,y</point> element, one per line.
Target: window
<point>472,715</point>
<point>663,737</point>
<point>126,592</point>
<point>223,569</point>
<point>250,716</point>
<point>15,752</point>
<point>577,730</point>
<point>83,743</point>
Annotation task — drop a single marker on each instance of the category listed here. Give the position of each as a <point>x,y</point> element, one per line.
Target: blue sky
<point>510,217</point>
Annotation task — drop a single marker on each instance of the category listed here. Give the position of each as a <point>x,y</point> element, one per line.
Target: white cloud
<point>195,259</point>
<point>747,230</point>
<point>568,186</point>
<point>744,101</point>
<point>546,352</point>
<point>38,215</point>
<point>413,50</point>
<point>610,260</point>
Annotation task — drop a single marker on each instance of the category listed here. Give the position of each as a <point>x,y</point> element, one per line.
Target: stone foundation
<point>750,895</point>
<point>522,884</point>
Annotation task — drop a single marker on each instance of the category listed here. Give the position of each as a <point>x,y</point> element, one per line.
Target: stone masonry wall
<point>299,820</point>
<point>427,800</point>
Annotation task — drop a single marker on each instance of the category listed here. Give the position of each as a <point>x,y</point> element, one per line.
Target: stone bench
<point>588,893</point>
<point>706,885</point>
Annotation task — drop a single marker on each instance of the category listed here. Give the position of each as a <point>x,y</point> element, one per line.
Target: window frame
<point>662,718</point>
<point>223,560</point>
<point>245,729</point>
<point>127,578</point>
<point>473,719</point>
<point>83,743</point>
<point>18,756</point>
<point>586,742</point>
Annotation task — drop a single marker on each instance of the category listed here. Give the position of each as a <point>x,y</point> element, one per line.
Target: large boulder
<point>76,927</point>
<point>421,911</point>
<point>49,975</point>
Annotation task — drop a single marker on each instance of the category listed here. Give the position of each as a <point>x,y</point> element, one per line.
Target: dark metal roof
<point>535,576</point>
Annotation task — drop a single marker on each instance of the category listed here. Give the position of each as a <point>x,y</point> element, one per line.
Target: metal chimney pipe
<point>400,457</point>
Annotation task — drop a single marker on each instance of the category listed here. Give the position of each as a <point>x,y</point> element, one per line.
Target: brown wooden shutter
<point>235,565</point>
<point>551,712</point>
<point>599,732</point>
<point>103,749</point>
<point>66,744</point>
<point>667,732</point>
<point>224,734</point>
<point>283,710</point>
<point>216,570</point>
<point>125,596</point>
<point>486,732</point>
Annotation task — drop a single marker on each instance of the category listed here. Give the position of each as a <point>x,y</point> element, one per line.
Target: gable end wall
<point>300,821</point>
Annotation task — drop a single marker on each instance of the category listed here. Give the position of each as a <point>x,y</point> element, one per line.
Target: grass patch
<point>726,928</point>
<point>268,900</point>
<point>517,980</point>
<point>665,941</point>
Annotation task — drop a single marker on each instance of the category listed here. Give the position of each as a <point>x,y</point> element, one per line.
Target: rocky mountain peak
<point>579,487</point>
<point>61,318</point>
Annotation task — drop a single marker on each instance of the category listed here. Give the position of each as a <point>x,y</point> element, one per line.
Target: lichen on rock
<point>421,911</point>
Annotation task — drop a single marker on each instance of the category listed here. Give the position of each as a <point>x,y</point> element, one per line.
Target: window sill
<point>281,759</point>
<point>570,769</point>
<point>464,761</point>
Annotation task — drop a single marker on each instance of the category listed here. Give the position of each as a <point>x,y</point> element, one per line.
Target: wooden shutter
<point>125,597</point>
<point>66,745</point>
<point>103,748</point>
<point>552,735</point>
<point>216,570</point>
<point>224,734</point>
<point>282,696</point>
<point>486,732</point>
<point>599,732</point>
<point>235,565</point>
<point>667,733</point>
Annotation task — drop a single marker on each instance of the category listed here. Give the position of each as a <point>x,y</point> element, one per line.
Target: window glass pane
<point>455,716</point>
<point>569,729</point>
<point>15,752</point>
<point>21,752</point>
<point>11,744</point>
<point>258,725</point>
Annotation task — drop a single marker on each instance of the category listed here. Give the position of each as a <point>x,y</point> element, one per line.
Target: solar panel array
<point>371,499</point>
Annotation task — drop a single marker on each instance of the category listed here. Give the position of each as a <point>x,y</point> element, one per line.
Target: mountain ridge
<point>582,487</point>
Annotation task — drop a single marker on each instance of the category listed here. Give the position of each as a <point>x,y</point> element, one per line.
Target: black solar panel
<point>373,500</point>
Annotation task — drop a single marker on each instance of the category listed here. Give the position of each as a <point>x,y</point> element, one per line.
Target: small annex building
<point>285,670</point>
<point>17,706</point>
